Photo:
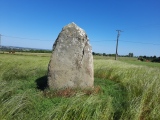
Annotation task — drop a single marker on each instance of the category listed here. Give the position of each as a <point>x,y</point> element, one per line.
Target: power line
<point>53,40</point>
<point>126,41</point>
<point>139,42</point>
<point>47,40</point>
<point>102,40</point>
<point>0,40</point>
<point>25,38</point>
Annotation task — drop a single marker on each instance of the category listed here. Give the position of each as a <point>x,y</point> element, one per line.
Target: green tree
<point>104,54</point>
<point>130,55</point>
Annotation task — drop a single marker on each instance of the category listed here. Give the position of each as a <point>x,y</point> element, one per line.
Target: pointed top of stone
<point>74,26</point>
<point>72,23</point>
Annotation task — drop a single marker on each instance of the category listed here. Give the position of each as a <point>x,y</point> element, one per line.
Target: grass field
<point>130,60</point>
<point>125,89</point>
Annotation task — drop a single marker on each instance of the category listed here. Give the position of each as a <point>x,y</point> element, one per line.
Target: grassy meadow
<point>125,89</point>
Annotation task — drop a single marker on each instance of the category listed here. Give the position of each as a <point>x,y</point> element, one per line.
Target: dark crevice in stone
<point>83,52</point>
<point>83,49</point>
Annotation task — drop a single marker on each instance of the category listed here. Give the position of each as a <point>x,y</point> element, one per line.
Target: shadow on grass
<point>42,83</point>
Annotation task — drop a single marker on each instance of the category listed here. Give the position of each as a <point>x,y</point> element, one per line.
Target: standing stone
<point>71,64</point>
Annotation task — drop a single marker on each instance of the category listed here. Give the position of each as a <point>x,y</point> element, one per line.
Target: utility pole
<point>0,41</point>
<point>117,43</point>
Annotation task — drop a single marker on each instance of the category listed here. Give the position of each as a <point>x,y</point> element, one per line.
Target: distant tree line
<point>149,59</point>
<point>39,51</point>
<point>112,55</point>
<point>102,54</point>
<point>13,50</point>
<point>141,58</point>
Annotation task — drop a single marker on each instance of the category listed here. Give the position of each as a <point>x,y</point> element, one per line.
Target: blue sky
<point>44,19</point>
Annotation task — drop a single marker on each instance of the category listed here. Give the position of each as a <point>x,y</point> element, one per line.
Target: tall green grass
<point>126,91</point>
<point>142,84</point>
<point>20,98</point>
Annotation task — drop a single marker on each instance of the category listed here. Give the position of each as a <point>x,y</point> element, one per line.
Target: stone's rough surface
<point>71,64</point>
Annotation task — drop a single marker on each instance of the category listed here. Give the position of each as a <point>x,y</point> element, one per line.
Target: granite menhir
<point>71,64</point>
